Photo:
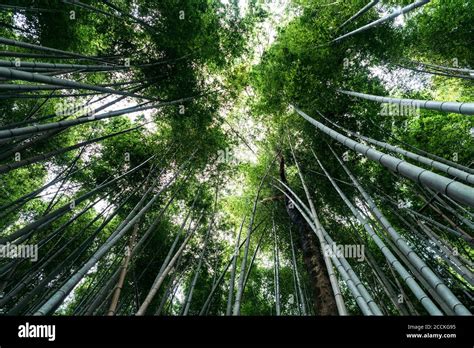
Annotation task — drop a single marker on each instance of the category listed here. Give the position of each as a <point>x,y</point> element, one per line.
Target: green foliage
<point>200,49</point>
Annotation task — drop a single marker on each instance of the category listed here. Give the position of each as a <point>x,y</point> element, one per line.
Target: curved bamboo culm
<point>63,175</point>
<point>160,277</point>
<point>127,219</point>
<point>298,290</point>
<point>221,277</point>
<point>441,67</point>
<point>14,132</point>
<point>189,297</point>
<point>83,67</point>
<point>35,159</point>
<point>446,206</point>
<point>341,307</point>
<point>46,135</point>
<point>82,106</point>
<point>25,281</point>
<point>415,260</point>
<point>178,235</point>
<point>29,87</point>
<point>276,266</point>
<point>215,286</point>
<point>232,272</point>
<point>123,273</point>
<point>15,43</point>
<point>361,290</point>
<point>361,296</point>
<point>122,13</point>
<point>422,152</point>
<point>13,74</point>
<point>31,9</point>
<point>89,7</point>
<point>10,133</point>
<point>48,218</point>
<point>342,264</point>
<point>460,174</point>
<point>91,309</point>
<point>252,260</point>
<point>407,277</point>
<point>456,190</point>
<point>384,19</point>
<point>455,107</point>
<point>436,72</point>
<point>240,286</point>
<point>60,294</point>
<point>360,12</point>
<point>49,97</point>
<point>57,66</point>
<point>470,240</point>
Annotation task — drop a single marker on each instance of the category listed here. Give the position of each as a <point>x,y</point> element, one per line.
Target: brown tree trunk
<point>323,298</point>
<point>123,274</point>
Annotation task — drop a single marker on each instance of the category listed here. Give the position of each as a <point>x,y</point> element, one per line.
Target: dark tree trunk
<point>323,298</point>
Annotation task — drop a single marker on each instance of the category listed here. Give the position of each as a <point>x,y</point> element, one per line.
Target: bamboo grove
<point>303,157</point>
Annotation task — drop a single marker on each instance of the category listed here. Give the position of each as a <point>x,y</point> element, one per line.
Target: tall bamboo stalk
<point>407,277</point>
<point>235,256</point>
<point>455,107</point>
<point>58,296</point>
<point>160,278</point>
<point>387,18</point>
<point>456,190</point>
<point>240,288</point>
<point>339,301</point>
<point>297,277</point>
<point>276,264</point>
<point>123,273</point>
<point>360,12</point>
